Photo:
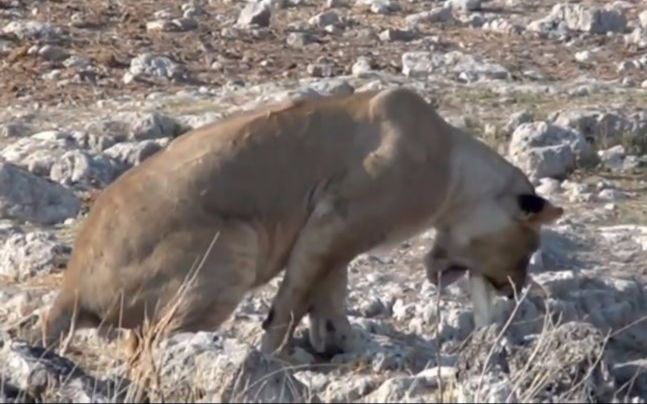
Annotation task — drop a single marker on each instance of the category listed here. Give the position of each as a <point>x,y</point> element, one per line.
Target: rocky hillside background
<point>91,88</point>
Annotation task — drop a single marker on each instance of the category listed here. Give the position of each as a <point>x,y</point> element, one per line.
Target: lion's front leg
<point>289,305</point>
<point>313,256</point>
<point>330,331</point>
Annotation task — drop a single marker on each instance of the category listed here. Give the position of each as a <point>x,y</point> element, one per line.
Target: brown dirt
<point>115,31</point>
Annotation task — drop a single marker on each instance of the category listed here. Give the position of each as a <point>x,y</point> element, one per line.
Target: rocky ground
<point>91,88</point>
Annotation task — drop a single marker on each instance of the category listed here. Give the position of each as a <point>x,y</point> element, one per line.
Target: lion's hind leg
<point>221,276</point>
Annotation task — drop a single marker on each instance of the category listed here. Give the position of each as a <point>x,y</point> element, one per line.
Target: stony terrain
<point>91,88</point>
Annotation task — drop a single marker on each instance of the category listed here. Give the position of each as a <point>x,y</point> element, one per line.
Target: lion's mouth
<point>447,276</point>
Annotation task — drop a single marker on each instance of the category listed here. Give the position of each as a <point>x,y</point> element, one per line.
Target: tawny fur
<point>302,187</point>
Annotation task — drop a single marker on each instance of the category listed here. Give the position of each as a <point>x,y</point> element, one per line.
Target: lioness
<point>303,186</point>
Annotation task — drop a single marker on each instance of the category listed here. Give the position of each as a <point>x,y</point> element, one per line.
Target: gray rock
<point>394,34</point>
<point>148,65</point>
<point>255,14</point>
<point>421,63</point>
<point>192,10</point>
<point>299,39</point>
<point>380,6</point>
<point>456,324</point>
<point>637,37</point>
<point>31,30</point>
<point>545,150</point>
<point>53,75</point>
<point>161,25</point>
<point>642,19</point>
<point>464,5</point>
<point>133,153</point>
<point>612,302</point>
<point>402,312</point>
<point>21,306</point>
<point>578,17</point>
<point>37,153</point>
<point>199,120</point>
<point>100,135</point>
<point>303,93</point>
<point>76,62</point>
<point>190,362</point>
<point>25,255</point>
<point>603,128</point>
<point>361,67</point>
<point>577,192</point>
<point>549,161</point>
<point>632,162</point>
<point>632,373</point>
<point>7,228</point>
<point>583,56</point>
<point>611,195</point>
<point>373,305</point>
<point>347,389</point>
<point>78,167</point>
<point>117,129</point>
<point>164,14</point>
<point>374,349</point>
<point>175,25</point>
<point>336,3</point>
<point>467,67</point>
<point>474,20</point>
<point>458,121</point>
<point>155,126</point>
<point>286,3</point>
<point>629,65</point>
<point>488,388</point>
<point>26,197</point>
<point>502,25</point>
<point>332,87</point>
<point>622,5</point>
<point>53,53</point>
<point>517,119</point>
<point>185,24</point>
<point>549,27</point>
<point>619,233</point>
<point>260,378</point>
<point>435,15</point>
<point>79,20</point>
<point>320,69</point>
<point>471,69</point>
<point>326,18</point>
<point>422,387</point>
<point>548,187</point>
<point>613,158</point>
<point>42,373</point>
<point>16,128</point>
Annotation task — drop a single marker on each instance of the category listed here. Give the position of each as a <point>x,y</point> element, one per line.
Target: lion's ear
<point>536,210</point>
